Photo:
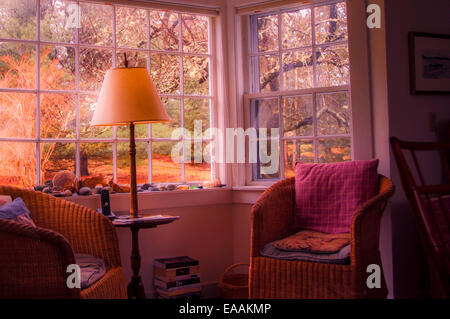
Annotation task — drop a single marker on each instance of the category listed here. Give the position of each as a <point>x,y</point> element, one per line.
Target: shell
<point>85,191</point>
<point>66,180</point>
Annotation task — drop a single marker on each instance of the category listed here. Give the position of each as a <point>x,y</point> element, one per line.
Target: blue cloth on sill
<point>17,211</point>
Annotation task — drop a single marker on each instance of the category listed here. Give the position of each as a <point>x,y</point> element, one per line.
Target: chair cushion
<point>92,269</point>
<point>16,211</point>
<point>340,257</point>
<point>327,195</point>
<point>314,242</point>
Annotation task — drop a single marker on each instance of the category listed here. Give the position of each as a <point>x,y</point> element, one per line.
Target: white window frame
<point>114,140</point>
<point>252,78</point>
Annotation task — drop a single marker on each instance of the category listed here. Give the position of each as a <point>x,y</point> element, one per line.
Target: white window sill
<point>120,202</point>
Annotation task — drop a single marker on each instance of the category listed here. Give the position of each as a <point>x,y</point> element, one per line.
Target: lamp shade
<point>128,95</point>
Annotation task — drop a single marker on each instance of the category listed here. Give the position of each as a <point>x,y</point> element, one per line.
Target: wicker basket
<point>234,286</point>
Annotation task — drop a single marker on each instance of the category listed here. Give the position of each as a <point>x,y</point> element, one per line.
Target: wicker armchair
<point>33,261</point>
<point>273,219</point>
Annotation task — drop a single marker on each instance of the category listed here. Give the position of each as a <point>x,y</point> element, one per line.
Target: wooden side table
<point>135,288</point>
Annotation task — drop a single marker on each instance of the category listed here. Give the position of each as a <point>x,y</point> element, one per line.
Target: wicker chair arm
<point>273,215</point>
<point>33,262</point>
<point>86,230</point>
<point>365,234</point>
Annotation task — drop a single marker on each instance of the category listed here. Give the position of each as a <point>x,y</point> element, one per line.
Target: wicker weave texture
<point>273,219</point>
<point>33,261</point>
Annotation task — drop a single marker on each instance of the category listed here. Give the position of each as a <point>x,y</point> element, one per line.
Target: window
<point>300,87</point>
<point>53,57</point>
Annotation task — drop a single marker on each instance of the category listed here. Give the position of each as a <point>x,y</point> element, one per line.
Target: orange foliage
<point>18,115</point>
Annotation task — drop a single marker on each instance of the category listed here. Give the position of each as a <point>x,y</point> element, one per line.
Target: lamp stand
<point>133,195</point>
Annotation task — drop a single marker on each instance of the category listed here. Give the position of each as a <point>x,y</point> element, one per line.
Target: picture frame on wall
<point>429,59</point>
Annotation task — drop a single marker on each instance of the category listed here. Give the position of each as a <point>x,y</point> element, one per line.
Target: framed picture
<point>429,58</point>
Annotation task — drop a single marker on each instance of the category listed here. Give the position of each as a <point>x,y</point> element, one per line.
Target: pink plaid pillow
<point>327,195</point>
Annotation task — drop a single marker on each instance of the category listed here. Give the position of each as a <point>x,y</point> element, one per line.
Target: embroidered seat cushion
<point>314,242</point>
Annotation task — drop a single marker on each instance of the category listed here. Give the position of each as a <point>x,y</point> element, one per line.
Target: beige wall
<point>203,232</point>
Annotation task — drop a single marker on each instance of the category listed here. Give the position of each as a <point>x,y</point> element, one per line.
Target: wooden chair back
<point>430,203</point>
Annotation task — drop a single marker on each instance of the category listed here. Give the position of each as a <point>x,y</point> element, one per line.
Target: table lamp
<point>128,97</point>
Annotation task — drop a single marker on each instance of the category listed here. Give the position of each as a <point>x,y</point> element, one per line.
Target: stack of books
<point>177,278</point>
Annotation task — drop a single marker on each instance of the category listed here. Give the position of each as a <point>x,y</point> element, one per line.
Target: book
<point>164,293</point>
<point>175,262</point>
<point>178,285</point>
<point>191,295</point>
<point>178,278</point>
<point>175,273</point>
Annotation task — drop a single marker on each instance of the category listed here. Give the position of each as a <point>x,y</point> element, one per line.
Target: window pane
<point>297,151</point>
<point>164,30</point>
<point>296,30</point>
<point>265,115</point>
<point>134,58</point>
<point>131,27</point>
<point>164,168</point>
<point>334,150</point>
<point>298,116</point>
<point>140,130</point>
<point>333,113</point>
<point>18,115</point>
<point>195,33</point>
<point>93,65</point>
<point>165,72</point>
<point>18,19</point>
<point>123,163</point>
<point>196,75</point>
<point>87,104</point>
<point>165,129</point>
<point>199,168</point>
<point>267,33</point>
<point>96,159</point>
<point>333,66</point>
<point>56,157</point>
<point>58,116</point>
<point>56,23</point>
<point>57,68</point>
<point>298,70</point>
<point>18,164</point>
<point>17,65</point>
<point>96,24</point>
<point>196,110</point>
<point>269,73</point>
<point>331,23</point>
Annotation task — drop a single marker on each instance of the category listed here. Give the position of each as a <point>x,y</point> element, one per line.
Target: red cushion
<point>327,195</point>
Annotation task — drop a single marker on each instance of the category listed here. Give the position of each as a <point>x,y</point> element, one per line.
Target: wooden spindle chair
<point>431,206</point>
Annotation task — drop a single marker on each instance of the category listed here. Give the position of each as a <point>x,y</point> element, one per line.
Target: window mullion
<point>280,52</point>
<point>180,41</point>
<point>281,134</point>
<point>315,140</point>
<point>77,101</point>
<point>149,127</point>
<point>114,63</point>
<point>37,96</point>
